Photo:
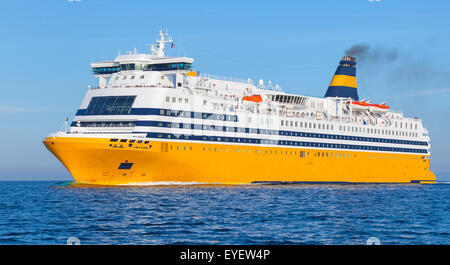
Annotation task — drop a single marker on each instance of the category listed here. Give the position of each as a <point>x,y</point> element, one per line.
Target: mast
<point>160,44</point>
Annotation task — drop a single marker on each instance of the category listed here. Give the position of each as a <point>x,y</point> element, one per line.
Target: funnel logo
<point>373,241</point>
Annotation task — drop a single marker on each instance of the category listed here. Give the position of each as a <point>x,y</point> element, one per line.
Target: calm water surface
<point>42,212</point>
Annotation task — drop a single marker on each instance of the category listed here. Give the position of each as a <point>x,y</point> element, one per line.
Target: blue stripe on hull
<point>239,140</point>
<point>171,113</point>
<point>266,132</point>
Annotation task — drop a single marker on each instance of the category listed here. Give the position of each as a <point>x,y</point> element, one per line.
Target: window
<point>110,105</point>
<point>142,76</point>
<point>130,66</point>
<point>167,99</point>
<point>166,66</point>
<point>105,70</point>
<point>107,124</point>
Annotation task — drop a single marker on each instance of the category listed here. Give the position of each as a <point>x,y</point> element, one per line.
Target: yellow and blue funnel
<point>343,83</point>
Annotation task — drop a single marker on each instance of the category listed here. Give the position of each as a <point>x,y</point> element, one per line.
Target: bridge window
<point>128,66</point>
<point>105,70</point>
<point>167,66</point>
<point>111,105</point>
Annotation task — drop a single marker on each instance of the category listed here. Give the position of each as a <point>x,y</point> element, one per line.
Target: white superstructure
<point>166,99</point>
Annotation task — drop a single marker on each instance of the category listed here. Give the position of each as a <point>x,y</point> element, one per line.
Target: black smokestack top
<point>364,53</point>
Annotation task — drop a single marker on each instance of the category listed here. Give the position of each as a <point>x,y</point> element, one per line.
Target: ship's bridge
<point>144,62</point>
<point>133,61</point>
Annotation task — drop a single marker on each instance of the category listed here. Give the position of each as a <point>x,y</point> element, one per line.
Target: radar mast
<point>160,44</point>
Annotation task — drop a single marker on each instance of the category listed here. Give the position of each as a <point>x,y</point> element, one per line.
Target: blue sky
<point>47,48</point>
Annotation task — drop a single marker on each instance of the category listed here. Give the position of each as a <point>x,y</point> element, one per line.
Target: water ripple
<point>50,212</point>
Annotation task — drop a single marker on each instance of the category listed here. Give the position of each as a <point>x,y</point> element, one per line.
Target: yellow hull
<point>97,161</point>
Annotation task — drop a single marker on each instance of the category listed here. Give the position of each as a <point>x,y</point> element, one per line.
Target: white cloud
<point>14,109</point>
<point>427,92</point>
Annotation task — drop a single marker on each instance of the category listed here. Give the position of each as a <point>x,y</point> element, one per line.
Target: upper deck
<point>136,73</point>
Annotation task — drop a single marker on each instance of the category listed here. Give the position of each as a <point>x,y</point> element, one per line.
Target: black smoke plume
<point>365,53</point>
<point>402,70</point>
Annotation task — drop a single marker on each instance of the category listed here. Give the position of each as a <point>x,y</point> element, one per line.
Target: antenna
<point>261,83</point>
<point>160,44</point>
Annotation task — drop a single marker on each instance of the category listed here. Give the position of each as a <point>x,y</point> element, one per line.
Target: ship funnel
<point>343,83</point>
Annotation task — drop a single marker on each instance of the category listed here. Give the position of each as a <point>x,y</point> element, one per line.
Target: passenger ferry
<point>152,119</point>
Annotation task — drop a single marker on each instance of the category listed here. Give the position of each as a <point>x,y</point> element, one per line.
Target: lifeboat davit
<point>378,107</point>
<point>358,105</point>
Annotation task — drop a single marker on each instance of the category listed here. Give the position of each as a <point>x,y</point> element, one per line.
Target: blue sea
<point>49,212</point>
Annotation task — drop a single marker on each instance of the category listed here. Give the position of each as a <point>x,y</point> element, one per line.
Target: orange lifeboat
<point>358,105</point>
<point>253,98</point>
<point>378,107</point>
